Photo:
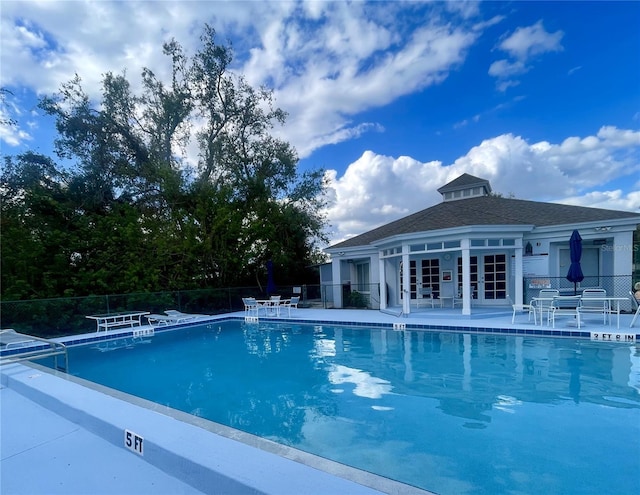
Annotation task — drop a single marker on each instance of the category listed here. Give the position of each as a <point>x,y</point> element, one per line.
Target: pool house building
<point>477,249</point>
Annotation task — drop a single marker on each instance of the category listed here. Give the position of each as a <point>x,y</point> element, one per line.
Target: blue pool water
<point>453,413</point>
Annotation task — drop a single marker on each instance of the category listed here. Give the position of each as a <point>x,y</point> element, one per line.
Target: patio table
<point>539,305</point>
<point>111,320</point>
<point>608,300</point>
<point>272,306</point>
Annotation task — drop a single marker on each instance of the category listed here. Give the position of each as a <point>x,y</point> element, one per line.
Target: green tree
<point>137,212</point>
<point>37,224</point>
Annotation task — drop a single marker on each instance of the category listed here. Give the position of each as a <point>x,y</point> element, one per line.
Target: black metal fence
<point>67,316</point>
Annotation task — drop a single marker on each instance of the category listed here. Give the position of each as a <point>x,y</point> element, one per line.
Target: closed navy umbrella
<point>575,253</point>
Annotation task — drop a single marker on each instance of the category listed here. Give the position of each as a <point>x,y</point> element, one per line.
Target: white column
<point>406,274</point>
<point>518,276</point>
<point>336,276</point>
<point>383,282</point>
<point>466,276</point>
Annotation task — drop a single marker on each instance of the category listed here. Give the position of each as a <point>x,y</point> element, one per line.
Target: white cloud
<point>614,200</point>
<point>522,45</point>
<point>10,133</point>
<point>351,64</point>
<point>377,189</point>
<point>327,61</point>
<point>90,39</point>
<point>505,68</point>
<point>527,42</point>
<point>573,70</point>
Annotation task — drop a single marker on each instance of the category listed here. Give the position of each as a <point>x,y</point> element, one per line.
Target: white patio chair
<point>250,306</point>
<point>595,306</point>
<point>427,297</point>
<point>273,306</point>
<point>530,309</point>
<point>448,291</point>
<point>544,301</point>
<point>291,303</point>
<point>564,306</point>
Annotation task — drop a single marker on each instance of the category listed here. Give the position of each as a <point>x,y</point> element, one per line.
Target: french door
<point>495,279</point>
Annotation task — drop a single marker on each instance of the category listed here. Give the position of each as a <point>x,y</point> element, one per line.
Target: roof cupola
<point>465,186</point>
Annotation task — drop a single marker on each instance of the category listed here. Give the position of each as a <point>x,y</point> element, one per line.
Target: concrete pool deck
<point>65,435</point>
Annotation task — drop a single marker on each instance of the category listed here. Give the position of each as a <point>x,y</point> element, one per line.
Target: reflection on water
<point>452,413</point>
<point>365,384</point>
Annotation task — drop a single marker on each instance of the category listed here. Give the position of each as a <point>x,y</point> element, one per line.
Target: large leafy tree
<point>36,227</point>
<point>142,211</point>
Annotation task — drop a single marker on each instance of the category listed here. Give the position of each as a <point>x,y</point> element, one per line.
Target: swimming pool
<point>448,412</point>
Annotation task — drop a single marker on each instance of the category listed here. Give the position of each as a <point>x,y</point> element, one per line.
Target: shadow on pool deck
<point>60,434</point>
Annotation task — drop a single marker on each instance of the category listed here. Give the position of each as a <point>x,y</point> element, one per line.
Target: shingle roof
<point>465,181</point>
<point>486,210</point>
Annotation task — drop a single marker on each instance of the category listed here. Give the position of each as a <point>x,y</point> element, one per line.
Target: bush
<point>357,299</point>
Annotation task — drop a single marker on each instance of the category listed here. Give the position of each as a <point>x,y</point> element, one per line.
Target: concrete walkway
<point>44,453</point>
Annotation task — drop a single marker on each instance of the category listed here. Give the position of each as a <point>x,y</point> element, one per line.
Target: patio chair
<point>636,303</point>
<point>530,309</point>
<point>427,297</point>
<point>448,291</point>
<point>291,303</point>
<point>272,306</point>
<point>250,305</point>
<point>564,306</point>
<point>594,305</point>
<point>543,302</point>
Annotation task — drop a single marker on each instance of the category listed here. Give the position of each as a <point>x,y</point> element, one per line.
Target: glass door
<point>431,275</point>
<point>495,277</point>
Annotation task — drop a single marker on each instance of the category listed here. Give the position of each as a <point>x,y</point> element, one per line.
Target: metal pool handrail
<point>11,342</point>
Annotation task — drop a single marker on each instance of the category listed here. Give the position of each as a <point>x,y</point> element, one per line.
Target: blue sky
<point>393,99</point>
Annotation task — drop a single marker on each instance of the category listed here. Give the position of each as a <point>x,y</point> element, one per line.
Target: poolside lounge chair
<point>160,320</point>
<point>171,318</point>
<point>180,316</point>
